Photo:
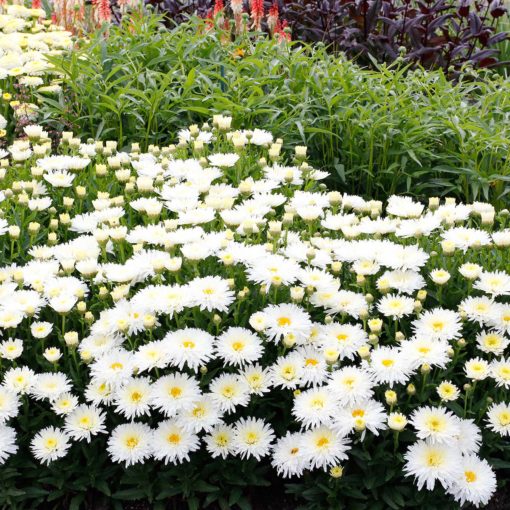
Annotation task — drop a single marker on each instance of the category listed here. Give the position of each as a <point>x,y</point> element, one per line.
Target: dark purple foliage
<point>434,33</point>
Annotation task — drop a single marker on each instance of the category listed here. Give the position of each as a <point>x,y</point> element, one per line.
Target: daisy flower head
<point>397,421</point>
<point>239,346</point>
<point>499,317</point>
<point>476,482</point>
<point>477,369</point>
<point>175,392</point>
<point>172,443</point>
<point>50,444</point>
<point>369,415</point>
<point>448,392</point>
<point>9,403</point>
<point>134,397</point>
<point>388,366</point>
<point>470,271</point>
<point>492,342</point>
<point>438,324</point>
<point>314,407</point>
<point>41,329</point>
<point>11,349</point>
<point>498,417</point>
<point>113,367</point>
<point>287,371</point>
<point>314,367</point>
<point>8,444</point>
<point>204,415</point>
<point>20,379</point>
<point>345,338</point>
<point>229,391</point>
<point>189,346</point>
<point>49,385</point>
<point>220,441</point>
<point>286,320</point>
<point>130,443</point>
<point>223,160</point>
<point>432,462</point>
<point>395,306</point>
<point>252,438</point>
<point>350,385</point>
<point>151,355</point>
<point>99,392</point>
<point>479,309</point>
<point>406,282</point>
<point>496,283</point>
<point>435,424</point>
<point>469,438</point>
<point>500,371</point>
<point>64,404</point>
<point>287,456</point>
<point>420,351</point>
<point>323,447</point>
<point>258,379</point>
<point>84,422</point>
<point>211,293</point>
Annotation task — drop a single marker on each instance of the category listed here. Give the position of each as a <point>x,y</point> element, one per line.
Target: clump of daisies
<point>178,290</point>
<point>26,39</point>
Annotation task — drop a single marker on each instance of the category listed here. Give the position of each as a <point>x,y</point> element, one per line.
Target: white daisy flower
<point>432,462</point>
<point>130,443</point>
<point>172,443</point>
<point>252,438</point>
<point>50,444</point>
<point>84,422</point>
<point>8,444</point>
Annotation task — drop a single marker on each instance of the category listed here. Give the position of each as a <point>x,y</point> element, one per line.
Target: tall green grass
<point>378,132</point>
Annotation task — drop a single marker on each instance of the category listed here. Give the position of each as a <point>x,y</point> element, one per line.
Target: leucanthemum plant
<point>212,297</point>
<point>27,39</point>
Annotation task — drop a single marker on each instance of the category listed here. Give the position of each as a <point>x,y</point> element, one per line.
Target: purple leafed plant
<point>443,34</point>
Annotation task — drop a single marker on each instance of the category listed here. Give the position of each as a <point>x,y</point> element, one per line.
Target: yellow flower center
<point>283,321</point>
<point>228,391</point>
<point>504,418</point>
<point>51,443</point>
<point>132,442</point>
<point>174,438</point>
<point>252,437</point>
<point>175,391</point>
<point>388,362</point>
<point>221,440</point>
<point>470,476</point>
<point>435,424</point>
<point>198,412</point>
<point>438,326</point>
<point>322,442</point>
<point>434,459</point>
<point>136,396</point>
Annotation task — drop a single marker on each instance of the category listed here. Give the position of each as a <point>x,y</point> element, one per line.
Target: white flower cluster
<point>182,286</point>
<point>26,39</point>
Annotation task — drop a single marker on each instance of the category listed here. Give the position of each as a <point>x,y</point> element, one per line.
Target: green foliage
<point>378,132</point>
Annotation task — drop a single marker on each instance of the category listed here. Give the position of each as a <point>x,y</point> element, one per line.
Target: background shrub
<point>442,34</point>
<point>378,132</point>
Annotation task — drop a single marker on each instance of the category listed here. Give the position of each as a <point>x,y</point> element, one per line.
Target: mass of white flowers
<point>27,39</point>
<point>176,290</point>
